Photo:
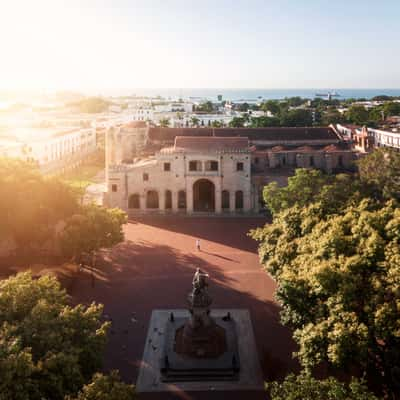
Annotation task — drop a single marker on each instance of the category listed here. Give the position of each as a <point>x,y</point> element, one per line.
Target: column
<point>142,202</point>
<point>218,205</point>
<point>246,201</point>
<point>189,200</point>
<point>161,200</point>
<point>174,201</point>
<point>232,198</point>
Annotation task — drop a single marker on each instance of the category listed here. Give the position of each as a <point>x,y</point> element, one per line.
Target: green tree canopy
<point>391,108</point>
<point>206,107</point>
<point>106,387</point>
<point>357,115</point>
<point>30,204</point>
<point>237,122</point>
<point>332,116</point>
<point>263,122</point>
<point>272,106</point>
<point>93,228</point>
<point>194,121</point>
<point>296,117</point>
<point>164,122</point>
<point>217,124</point>
<point>305,387</point>
<point>333,248</point>
<point>47,348</point>
<point>381,170</point>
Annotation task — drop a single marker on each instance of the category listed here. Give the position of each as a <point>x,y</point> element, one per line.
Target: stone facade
<point>187,180</point>
<point>209,173</point>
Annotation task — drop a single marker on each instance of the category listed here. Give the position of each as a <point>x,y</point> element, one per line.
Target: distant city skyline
<point>104,45</point>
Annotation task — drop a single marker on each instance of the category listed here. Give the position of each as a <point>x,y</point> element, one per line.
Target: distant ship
<point>328,95</point>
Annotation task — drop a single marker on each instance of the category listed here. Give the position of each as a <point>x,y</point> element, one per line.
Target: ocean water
<point>251,95</point>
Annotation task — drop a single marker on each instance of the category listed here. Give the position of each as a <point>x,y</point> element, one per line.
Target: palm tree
<point>164,122</point>
<point>195,121</point>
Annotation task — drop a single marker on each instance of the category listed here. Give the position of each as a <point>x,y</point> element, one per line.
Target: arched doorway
<point>168,199</point>
<point>203,195</point>
<point>152,199</point>
<point>134,201</point>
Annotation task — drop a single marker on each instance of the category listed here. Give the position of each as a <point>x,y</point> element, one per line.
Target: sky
<point>111,44</point>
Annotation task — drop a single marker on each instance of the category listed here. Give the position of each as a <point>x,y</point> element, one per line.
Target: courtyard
<point>153,269</point>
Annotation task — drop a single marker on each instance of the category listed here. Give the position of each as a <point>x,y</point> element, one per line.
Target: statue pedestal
<point>206,353</point>
<point>179,372</point>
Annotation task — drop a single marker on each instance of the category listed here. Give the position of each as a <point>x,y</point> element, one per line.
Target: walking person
<point>198,244</point>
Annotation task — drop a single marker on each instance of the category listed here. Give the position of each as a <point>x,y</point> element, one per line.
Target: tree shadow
<point>133,279</point>
<point>221,230</point>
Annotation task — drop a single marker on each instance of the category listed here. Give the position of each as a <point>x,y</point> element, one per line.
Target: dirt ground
<point>153,269</point>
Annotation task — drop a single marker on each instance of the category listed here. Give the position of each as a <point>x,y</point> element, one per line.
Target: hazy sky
<point>104,44</point>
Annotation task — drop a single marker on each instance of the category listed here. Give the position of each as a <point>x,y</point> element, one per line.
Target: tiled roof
<point>211,144</point>
<point>305,149</point>
<point>267,134</point>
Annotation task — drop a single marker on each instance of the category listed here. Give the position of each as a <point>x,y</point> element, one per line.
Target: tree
<point>194,121</point>
<point>335,253</point>
<point>31,205</point>
<point>206,107</point>
<point>93,228</point>
<point>217,124</point>
<point>272,106</point>
<point>237,122</point>
<point>391,108</point>
<point>243,107</point>
<point>357,115</point>
<point>301,190</point>
<point>381,170</point>
<point>106,387</point>
<point>295,101</point>
<point>305,387</point>
<point>332,116</point>
<point>47,348</point>
<point>297,117</point>
<point>263,122</point>
<point>164,122</point>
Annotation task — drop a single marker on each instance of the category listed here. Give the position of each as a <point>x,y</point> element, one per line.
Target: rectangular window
<point>114,188</point>
<point>167,166</point>
<point>239,166</point>
<point>212,165</point>
<point>256,160</point>
<point>145,177</point>
<point>194,166</point>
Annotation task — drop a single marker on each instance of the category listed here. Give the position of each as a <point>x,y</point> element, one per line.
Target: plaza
<point>153,269</point>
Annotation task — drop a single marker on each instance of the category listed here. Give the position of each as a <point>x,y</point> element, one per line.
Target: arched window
<point>239,200</point>
<point>168,199</point>
<point>182,199</point>
<point>134,201</point>
<point>225,200</point>
<point>152,199</point>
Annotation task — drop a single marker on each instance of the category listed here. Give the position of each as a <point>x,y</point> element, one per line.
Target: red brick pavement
<point>153,269</point>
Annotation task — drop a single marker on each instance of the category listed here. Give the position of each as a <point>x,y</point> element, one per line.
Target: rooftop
<point>267,134</point>
<point>211,144</point>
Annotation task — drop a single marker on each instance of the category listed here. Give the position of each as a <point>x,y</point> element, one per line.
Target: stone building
<point>212,170</point>
<point>197,174</point>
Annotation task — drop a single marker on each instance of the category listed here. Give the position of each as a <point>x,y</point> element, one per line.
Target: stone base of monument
<point>164,369</point>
